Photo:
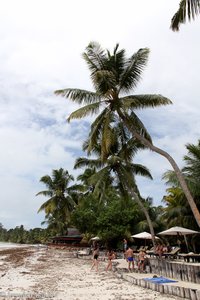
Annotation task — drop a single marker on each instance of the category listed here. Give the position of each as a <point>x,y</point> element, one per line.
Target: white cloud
<point>41,47</point>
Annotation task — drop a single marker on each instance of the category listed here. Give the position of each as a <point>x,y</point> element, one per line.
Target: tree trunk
<point>174,165</point>
<point>135,196</point>
<point>146,213</point>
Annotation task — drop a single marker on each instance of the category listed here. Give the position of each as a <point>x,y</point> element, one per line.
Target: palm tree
<point>113,75</point>
<point>60,203</point>
<point>177,210</point>
<point>187,9</point>
<point>192,168</point>
<point>119,164</point>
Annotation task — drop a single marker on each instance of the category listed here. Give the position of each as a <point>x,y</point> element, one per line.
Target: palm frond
<point>45,193</point>
<point>144,101</point>
<point>84,111</point>
<point>48,206</point>
<point>94,56</point>
<point>138,169</point>
<point>85,162</point>
<point>95,132</point>
<point>46,179</point>
<point>133,70</point>
<point>116,62</point>
<point>100,181</point>
<point>137,124</point>
<point>107,137</point>
<point>192,160</point>
<point>188,9</point>
<point>130,148</point>
<point>79,96</point>
<point>170,178</point>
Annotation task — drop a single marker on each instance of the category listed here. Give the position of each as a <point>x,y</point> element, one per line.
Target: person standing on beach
<point>130,258</point>
<point>111,256</point>
<point>95,257</point>
<point>141,258</point>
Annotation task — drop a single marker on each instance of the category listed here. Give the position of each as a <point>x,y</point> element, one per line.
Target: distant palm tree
<point>177,210</point>
<point>60,203</point>
<point>188,9</point>
<point>114,75</point>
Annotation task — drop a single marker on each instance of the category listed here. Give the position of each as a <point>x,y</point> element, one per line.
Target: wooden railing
<point>176,269</point>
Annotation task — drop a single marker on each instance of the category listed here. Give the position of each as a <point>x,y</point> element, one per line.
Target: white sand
<point>51,274</point>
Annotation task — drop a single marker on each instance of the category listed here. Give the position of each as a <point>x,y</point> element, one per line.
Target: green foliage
<point>62,200</point>
<point>111,221</point>
<point>188,9</point>
<point>22,236</point>
<point>177,211</point>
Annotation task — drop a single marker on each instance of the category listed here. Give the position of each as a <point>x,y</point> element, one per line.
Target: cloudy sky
<point>40,51</point>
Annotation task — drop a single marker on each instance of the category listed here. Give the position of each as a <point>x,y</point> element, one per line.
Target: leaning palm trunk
<point>174,165</point>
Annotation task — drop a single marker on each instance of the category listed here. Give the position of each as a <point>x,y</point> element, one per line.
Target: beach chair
<point>172,254</point>
<point>84,252</point>
<point>151,251</point>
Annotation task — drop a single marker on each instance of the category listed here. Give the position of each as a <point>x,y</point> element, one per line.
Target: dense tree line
<point>100,207</point>
<point>22,236</point>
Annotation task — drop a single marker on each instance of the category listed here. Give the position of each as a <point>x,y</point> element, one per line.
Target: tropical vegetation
<point>114,76</point>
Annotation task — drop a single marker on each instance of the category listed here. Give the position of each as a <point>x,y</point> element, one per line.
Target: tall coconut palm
<point>188,9</point>
<point>113,75</point>
<point>60,203</point>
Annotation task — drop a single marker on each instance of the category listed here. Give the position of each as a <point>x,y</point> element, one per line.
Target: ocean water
<point>9,245</point>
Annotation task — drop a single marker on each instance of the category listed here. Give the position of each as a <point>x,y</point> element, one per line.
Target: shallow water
<point>9,245</point>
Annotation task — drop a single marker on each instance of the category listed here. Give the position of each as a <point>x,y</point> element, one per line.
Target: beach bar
<point>72,238</point>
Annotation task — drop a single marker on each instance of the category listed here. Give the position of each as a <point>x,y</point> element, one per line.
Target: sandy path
<point>32,273</point>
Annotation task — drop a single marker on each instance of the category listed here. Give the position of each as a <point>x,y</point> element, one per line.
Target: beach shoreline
<point>30,273</point>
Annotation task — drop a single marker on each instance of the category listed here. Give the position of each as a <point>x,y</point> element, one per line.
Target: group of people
<point>128,255</point>
<point>110,256</point>
<point>160,249</point>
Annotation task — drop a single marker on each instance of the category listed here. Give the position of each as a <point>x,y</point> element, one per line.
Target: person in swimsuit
<point>141,258</point>
<point>95,262</point>
<point>130,258</point>
<point>111,256</point>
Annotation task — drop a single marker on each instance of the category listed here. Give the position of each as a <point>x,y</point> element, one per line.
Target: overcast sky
<point>41,43</point>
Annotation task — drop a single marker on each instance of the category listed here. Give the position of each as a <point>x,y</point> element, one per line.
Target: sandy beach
<point>37,273</point>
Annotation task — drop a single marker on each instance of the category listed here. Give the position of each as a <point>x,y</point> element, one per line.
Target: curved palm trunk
<point>174,165</point>
<point>145,211</point>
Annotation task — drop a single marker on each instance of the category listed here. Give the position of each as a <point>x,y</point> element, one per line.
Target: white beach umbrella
<point>178,231</point>
<point>144,235</point>
<point>96,238</point>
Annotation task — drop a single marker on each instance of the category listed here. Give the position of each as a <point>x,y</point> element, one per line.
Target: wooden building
<point>72,238</point>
